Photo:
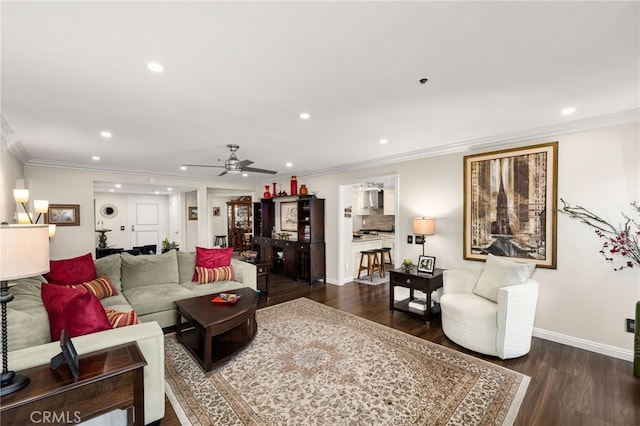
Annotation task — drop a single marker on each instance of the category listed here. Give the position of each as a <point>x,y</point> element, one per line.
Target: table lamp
<point>423,226</point>
<point>24,252</point>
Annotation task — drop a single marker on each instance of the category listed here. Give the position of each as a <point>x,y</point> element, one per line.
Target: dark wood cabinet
<point>302,257</point>
<point>239,222</point>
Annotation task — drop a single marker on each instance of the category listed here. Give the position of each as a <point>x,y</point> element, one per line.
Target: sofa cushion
<point>27,319</point>
<point>100,287</point>
<point>72,271</point>
<point>210,288</point>
<point>186,265</point>
<point>212,258</point>
<point>146,270</point>
<point>498,273</point>
<point>110,265</point>
<point>209,275</point>
<point>77,311</point>
<point>157,298</point>
<point>121,319</point>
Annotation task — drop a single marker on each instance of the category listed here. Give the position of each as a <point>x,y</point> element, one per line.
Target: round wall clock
<point>108,210</point>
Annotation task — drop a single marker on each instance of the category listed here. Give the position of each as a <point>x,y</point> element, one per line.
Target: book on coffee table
<point>226,298</point>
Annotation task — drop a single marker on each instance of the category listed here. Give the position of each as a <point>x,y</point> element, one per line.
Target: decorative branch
<point>621,241</point>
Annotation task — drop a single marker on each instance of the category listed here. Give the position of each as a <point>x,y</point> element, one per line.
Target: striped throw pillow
<point>121,319</point>
<point>209,275</point>
<point>100,287</point>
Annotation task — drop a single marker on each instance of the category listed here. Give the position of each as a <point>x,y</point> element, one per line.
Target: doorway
<point>147,219</point>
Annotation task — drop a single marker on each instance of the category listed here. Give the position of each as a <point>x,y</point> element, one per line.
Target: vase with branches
<point>620,244</point>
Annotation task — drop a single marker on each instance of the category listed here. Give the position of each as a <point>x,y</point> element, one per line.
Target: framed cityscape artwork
<point>510,200</point>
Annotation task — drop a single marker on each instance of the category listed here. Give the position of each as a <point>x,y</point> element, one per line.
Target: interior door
<point>148,220</point>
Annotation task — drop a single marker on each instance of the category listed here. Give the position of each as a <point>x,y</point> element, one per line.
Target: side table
<point>426,283</point>
<point>110,379</point>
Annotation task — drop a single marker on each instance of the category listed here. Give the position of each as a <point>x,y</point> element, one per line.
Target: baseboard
<point>587,345</point>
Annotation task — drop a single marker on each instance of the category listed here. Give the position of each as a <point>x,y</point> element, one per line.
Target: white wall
<point>583,302</point>
<point>10,170</point>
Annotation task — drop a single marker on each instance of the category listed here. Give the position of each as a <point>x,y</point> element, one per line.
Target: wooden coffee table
<point>217,331</point>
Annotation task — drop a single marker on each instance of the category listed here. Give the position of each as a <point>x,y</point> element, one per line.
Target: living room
<point>582,302</point>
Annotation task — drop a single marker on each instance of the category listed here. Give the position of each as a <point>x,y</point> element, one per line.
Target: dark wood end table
<point>217,331</point>
<point>425,283</point>
<point>110,379</point>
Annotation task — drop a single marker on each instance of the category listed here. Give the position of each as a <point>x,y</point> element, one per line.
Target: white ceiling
<point>242,72</point>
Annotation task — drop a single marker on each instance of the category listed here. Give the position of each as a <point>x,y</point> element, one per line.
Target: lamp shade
<point>424,226</point>
<point>21,195</point>
<point>24,251</point>
<point>40,206</point>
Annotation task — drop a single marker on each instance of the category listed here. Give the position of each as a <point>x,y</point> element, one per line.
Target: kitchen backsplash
<point>378,221</point>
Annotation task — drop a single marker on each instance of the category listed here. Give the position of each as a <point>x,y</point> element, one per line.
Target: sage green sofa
<point>148,284</point>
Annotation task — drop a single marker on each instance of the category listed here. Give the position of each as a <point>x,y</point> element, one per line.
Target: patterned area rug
<point>312,364</point>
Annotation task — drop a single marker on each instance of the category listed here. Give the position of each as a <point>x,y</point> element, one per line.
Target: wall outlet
<point>409,239</point>
<point>631,325</point>
<point>122,228</point>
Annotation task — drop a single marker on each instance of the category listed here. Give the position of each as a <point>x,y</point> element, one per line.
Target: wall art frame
<point>192,213</point>
<point>510,204</point>
<point>426,264</point>
<point>63,214</point>
<point>289,216</point>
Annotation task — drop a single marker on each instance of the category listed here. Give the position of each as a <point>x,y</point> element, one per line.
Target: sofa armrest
<point>459,280</point>
<point>245,273</point>
<point>150,341</point>
<point>516,314</point>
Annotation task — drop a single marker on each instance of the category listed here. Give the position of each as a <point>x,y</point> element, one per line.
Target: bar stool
<point>373,263</point>
<point>388,261</point>
<point>381,263</point>
<point>221,240</point>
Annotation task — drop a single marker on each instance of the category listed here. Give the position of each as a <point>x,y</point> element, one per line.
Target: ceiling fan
<point>233,165</point>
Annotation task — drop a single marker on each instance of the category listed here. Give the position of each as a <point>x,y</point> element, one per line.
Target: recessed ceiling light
<point>112,190</point>
<point>118,185</point>
<point>156,192</point>
<point>289,164</point>
<point>383,141</point>
<point>155,67</point>
<point>568,111</point>
<point>183,167</point>
<point>95,157</point>
<point>305,116</point>
<point>245,174</point>
<point>106,134</point>
<point>169,189</point>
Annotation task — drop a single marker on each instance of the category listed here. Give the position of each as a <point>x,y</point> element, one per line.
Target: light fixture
<point>305,116</point>
<point>155,67</point>
<point>95,158</point>
<point>423,226</point>
<point>568,111</point>
<point>105,134</point>
<point>52,231</point>
<point>24,252</point>
<point>183,167</point>
<point>289,164</point>
<point>383,141</point>
<point>40,206</point>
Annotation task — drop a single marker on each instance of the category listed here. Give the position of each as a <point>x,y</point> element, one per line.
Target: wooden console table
<point>109,379</point>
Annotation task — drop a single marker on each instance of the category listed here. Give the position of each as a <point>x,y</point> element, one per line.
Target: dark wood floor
<point>568,386</point>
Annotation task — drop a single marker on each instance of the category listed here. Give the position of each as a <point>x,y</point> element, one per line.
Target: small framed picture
<point>193,213</point>
<point>68,355</point>
<point>216,211</point>
<point>63,214</point>
<point>426,264</point>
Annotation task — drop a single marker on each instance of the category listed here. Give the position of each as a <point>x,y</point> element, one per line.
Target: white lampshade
<point>424,226</point>
<point>40,206</point>
<point>24,251</point>
<point>25,218</point>
<point>52,231</point>
<point>21,195</point>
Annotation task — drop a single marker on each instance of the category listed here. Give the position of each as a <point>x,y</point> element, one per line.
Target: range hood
<point>376,199</point>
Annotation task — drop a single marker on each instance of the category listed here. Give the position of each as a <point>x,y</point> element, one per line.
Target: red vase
<point>303,189</point>
<point>294,185</point>
<point>274,192</point>
<point>266,194</point>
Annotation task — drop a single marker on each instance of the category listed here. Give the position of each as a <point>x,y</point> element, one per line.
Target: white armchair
<point>501,329</point>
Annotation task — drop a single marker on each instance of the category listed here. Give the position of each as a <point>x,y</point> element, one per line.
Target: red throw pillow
<point>100,287</point>
<point>121,319</point>
<point>209,275</point>
<point>72,271</point>
<point>77,311</point>
<point>212,258</point>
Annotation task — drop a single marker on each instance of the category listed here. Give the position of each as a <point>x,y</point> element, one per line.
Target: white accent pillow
<point>498,273</point>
